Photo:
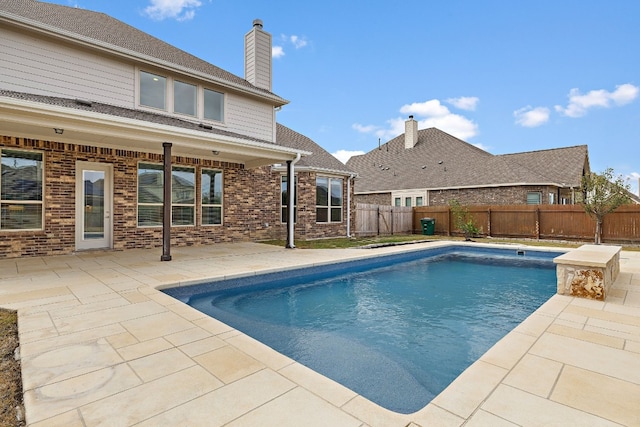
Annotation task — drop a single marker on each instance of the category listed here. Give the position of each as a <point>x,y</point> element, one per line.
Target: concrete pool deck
<point>101,345</point>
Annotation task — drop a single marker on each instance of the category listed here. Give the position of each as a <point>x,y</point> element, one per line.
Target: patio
<point>101,345</point>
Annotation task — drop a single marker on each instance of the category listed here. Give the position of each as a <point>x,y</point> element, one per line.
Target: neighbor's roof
<point>441,161</point>
<point>103,31</point>
<point>320,159</point>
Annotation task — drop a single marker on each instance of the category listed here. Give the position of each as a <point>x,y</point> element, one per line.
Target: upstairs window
<point>184,98</point>
<point>328,199</point>
<point>153,90</point>
<point>213,105</point>
<point>21,201</point>
<point>211,197</point>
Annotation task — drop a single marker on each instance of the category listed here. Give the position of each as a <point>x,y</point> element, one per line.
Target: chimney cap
<point>257,23</point>
<point>411,117</point>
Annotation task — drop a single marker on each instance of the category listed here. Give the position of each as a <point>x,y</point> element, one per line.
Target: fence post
<point>378,221</point>
<point>489,222</point>
<point>392,224</point>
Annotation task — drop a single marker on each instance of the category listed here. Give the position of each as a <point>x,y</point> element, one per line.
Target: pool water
<point>397,334</point>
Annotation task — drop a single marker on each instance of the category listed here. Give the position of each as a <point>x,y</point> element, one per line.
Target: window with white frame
<point>213,105</point>
<point>534,198</point>
<point>183,192</point>
<point>419,201</point>
<point>150,194</point>
<point>398,201</point>
<point>211,191</point>
<point>184,98</point>
<point>175,96</point>
<point>284,199</point>
<point>407,202</point>
<point>153,90</point>
<point>328,199</point>
<point>21,196</point>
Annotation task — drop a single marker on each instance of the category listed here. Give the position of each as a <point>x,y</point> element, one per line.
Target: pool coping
<point>477,396</point>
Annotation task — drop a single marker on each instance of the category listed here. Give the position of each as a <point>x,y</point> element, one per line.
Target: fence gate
<point>383,220</point>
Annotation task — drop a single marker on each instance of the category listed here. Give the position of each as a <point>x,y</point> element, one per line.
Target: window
<point>183,200</point>
<point>407,201</point>
<point>552,198</point>
<point>534,198</point>
<point>150,195</point>
<point>419,201</point>
<point>398,201</point>
<point>213,105</point>
<point>328,199</point>
<point>21,201</point>
<point>284,199</point>
<point>153,90</point>
<point>184,98</point>
<point>211,197</point>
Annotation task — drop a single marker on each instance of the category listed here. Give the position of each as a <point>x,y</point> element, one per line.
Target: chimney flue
<point>257,56</point>
<point>410,133</point>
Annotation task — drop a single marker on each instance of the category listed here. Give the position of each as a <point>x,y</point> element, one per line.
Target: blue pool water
<point>397,332</point>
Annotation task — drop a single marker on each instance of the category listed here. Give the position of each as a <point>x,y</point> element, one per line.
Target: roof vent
<point>84,102</point>
<point>257,23</point>
<point>207,127</point>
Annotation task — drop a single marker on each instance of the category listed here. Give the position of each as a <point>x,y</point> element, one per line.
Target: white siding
<point>38,66</point>
<point>249,117</point>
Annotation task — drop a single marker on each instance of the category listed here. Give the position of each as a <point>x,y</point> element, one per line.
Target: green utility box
<point>428,226</point>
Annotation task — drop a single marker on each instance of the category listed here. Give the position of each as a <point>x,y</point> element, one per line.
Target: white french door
<point>94,205</point>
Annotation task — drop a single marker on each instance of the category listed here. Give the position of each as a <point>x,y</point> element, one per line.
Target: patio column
<point>166,205</point>
<point>291,189</point>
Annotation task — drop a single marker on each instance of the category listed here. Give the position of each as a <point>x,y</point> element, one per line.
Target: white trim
<point>51,31</point>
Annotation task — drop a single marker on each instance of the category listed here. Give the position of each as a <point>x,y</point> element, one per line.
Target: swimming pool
<point>395,329</point>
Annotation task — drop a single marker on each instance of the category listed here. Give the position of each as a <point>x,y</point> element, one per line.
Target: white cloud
<point>181,10</point>
<point>364,129</point>
<point>530,117</point>
<point>467,103</point>
<point>298,42</point>
<point>579,104</point>
<point>277,52</point>
<point>434,114</point>
<point>344,155</point>
<point>428,114</point>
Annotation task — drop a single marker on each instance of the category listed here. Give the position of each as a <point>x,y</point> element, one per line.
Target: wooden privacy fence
<point>375,220</point>
<point>563,222</point>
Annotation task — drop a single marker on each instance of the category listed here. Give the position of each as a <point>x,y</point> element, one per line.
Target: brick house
<point>113,139</point>
<point>429,167</point>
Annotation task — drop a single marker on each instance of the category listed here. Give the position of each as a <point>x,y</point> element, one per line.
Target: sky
<point>504,76</point>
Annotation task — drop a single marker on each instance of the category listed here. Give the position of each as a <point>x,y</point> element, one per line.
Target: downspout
<point>349,205</point>
<point>291,188</point>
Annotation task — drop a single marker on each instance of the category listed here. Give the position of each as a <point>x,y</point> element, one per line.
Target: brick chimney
<point>257,56</point>
<point>410,133</point>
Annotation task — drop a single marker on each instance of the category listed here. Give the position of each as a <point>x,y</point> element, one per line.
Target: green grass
<point>353,242</point>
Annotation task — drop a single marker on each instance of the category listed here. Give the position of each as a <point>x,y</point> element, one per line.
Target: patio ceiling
<point>36,120</point>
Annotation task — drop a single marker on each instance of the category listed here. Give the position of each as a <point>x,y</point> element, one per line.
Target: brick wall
<point>488,196</point>
<point>374,199</point>
<point>251,203</point>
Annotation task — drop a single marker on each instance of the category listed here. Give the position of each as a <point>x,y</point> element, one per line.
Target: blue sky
<point>505,76</point>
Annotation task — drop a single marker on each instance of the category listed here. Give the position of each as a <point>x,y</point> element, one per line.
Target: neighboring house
<point>92,114</point>
<point>430,167</point>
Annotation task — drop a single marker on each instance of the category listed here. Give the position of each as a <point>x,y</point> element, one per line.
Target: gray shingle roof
<point>440,161</point>
<point>320,159</point>
<point>105,29</point>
